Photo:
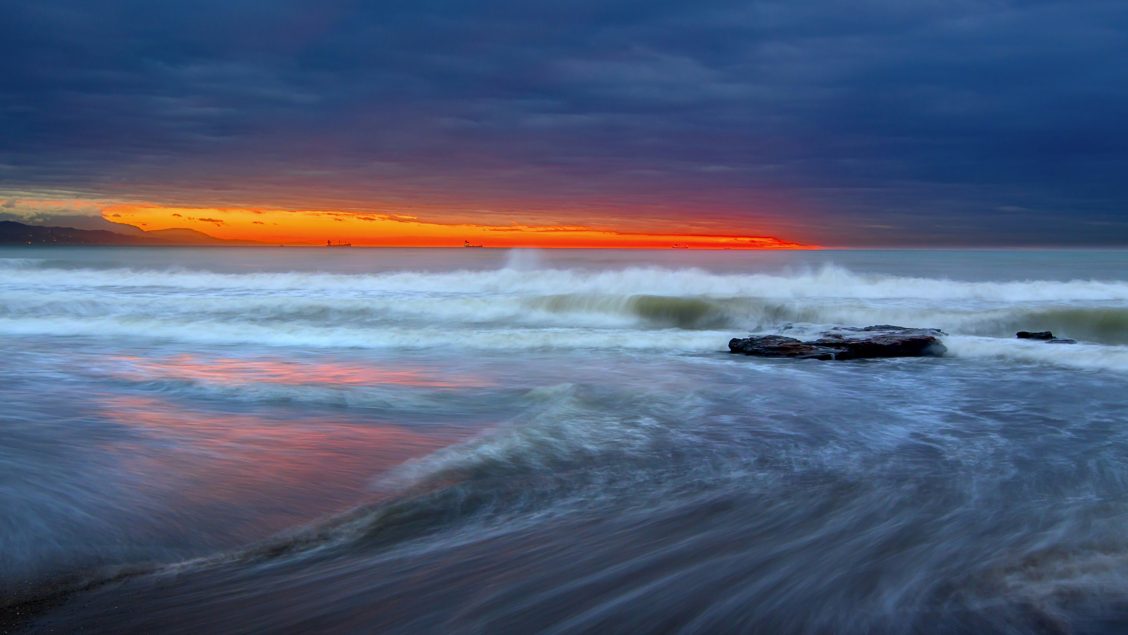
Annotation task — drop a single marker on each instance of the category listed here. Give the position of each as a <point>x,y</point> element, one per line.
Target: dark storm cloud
<point>971,122</point>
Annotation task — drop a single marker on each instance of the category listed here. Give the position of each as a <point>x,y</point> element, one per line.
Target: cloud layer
<point>874,122</point>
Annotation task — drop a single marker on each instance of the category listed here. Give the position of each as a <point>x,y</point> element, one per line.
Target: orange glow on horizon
<point>316,227</point>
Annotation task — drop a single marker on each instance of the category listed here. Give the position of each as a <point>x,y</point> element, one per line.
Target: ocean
<point>518,441</point>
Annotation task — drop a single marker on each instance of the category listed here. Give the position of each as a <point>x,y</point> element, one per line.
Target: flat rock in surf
<point>844,343</point>
<point>1045,336</point>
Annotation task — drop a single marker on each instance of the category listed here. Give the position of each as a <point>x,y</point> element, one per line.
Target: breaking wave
<point>828,281</point>
<point>527,307</point>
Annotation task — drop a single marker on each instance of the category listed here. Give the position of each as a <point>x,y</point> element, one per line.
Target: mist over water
<point>521,441</point>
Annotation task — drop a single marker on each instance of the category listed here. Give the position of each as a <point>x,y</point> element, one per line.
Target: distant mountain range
<point>13,233</point>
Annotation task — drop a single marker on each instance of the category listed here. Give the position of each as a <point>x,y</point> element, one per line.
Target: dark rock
<point>846,343</point>
<point>1045,336</point>
<point>780,346</point>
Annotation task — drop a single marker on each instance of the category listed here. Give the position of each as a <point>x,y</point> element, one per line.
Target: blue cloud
<point>963,122</point>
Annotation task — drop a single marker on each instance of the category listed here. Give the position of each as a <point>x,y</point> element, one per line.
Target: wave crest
<point>524,306</point>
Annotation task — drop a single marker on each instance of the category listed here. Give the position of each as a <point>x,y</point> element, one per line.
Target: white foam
<point>524,279</point>
<point>523,305</point>
<point>429,337</point>
<point>1081,356</point>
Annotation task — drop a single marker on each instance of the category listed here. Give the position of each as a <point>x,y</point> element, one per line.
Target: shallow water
<point>518,441</point>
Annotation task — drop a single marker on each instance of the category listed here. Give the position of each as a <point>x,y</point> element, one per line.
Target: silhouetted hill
<point>13,233</point>
<point>184,236</point>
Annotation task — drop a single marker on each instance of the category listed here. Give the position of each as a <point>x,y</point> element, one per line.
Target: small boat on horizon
<point>330,243</point>
<point>466,243</point>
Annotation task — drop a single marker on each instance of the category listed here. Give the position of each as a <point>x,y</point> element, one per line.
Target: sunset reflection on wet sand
<point>260,473</point>
<point>229,370</point>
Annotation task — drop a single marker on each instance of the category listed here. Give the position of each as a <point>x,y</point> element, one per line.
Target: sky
<point>581,123</point>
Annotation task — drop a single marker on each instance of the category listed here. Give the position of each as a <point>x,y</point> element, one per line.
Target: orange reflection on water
<point>259,474</point>
<point>224,370</point>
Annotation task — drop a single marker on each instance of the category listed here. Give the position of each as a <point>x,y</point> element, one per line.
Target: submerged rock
<point>1045,336</point>
<point>845,343</point>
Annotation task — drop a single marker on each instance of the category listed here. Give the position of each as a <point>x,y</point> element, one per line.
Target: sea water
<point>483,441</point>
